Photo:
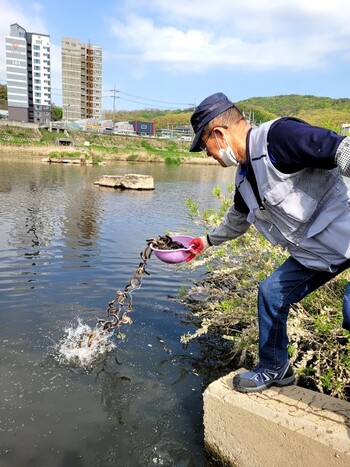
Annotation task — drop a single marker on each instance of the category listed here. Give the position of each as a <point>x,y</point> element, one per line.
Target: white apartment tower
<point>81,80</point>
<point>28,72</point>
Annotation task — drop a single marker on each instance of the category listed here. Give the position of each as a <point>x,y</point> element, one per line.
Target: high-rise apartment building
<point>28,72</point>
<point>81,80</point>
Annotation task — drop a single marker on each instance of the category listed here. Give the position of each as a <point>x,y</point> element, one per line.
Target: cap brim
<point>195,146</point>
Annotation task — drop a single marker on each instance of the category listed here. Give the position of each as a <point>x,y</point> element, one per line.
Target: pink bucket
<point>175,256</point>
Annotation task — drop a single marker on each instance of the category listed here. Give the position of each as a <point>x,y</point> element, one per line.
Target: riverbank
<point>97,147</point>
<point>223,307</point>
<point>140,156</point>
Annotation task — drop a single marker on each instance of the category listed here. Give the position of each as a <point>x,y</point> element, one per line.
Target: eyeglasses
<point>203,147</point>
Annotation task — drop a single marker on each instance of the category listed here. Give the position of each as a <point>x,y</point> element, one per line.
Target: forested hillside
<point>316,110</point>
<point>323,111</point>
<point>161,118</point>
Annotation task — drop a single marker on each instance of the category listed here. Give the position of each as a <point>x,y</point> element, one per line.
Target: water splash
<point>83,347</point>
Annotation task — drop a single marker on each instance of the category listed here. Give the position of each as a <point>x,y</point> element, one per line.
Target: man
<point>289,185</point>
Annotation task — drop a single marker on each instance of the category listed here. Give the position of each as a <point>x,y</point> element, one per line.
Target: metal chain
<point>118,310</point>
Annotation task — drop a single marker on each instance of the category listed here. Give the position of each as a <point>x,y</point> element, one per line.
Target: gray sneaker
<point>260,378</point>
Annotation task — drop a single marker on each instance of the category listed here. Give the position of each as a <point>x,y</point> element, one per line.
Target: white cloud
<point>204,34</point>
<point>182,36</point>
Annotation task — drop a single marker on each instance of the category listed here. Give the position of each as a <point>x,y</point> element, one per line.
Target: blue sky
<point>173,54</point>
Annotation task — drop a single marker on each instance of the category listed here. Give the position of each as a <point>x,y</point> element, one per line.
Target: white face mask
<point>228,156</point>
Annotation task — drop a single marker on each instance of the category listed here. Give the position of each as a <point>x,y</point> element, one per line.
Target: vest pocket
<point>294,203</point>
<point>330,213</point>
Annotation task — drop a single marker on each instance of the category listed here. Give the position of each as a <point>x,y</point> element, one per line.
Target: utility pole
<point>114,90</point>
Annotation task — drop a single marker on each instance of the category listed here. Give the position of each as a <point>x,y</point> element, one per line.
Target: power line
<point>155,100</point>
<point>115,91</point>
<point>173,105</point>
<point>143,103</point>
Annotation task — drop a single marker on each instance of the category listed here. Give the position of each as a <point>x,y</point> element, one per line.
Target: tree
<point>3,97</point>
<point>56,113</point>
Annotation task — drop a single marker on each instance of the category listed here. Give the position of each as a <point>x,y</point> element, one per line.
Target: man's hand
<point>197,245</point>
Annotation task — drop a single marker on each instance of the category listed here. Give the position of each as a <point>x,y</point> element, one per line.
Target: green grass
<point>171,160</point>
<point>64,155</point>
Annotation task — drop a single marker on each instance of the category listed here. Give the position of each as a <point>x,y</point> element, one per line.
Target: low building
<point>124,128</point>
<point>4,114</point>
<point>345,128</point>
<point>183,132</point>
<point>144,128</point>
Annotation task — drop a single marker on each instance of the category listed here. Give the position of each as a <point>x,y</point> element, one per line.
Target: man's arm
<point>342,157</point>
<point>234,224</point>
<point>294,145</point>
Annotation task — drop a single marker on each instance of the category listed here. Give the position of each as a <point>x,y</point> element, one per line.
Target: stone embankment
<point>287,427</point>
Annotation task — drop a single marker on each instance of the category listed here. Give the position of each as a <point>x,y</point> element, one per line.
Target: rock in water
<point>127,181</point>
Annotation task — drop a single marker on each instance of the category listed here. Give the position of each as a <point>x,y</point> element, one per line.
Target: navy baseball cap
<point>208,109</point>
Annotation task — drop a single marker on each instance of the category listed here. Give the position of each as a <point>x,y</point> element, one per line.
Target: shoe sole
<point>279,383</point>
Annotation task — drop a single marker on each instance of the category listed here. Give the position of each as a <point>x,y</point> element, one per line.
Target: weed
<point>172,160</point>
<point>132,157</point>
<point>62,154</point>
<point>318,347</point>
<point>96,159</point>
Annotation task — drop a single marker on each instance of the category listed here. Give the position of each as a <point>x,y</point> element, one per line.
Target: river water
<point>66,246</point>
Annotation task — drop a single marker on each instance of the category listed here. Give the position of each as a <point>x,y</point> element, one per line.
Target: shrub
<point>172,160</point>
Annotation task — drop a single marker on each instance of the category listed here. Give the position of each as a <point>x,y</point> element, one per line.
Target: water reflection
<point>66,245</point>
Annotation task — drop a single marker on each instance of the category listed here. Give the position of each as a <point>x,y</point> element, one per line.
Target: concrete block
<point>288,426</point>
<point>127,181</point>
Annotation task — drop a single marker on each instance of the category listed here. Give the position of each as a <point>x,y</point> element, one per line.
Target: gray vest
<point>307,212</point>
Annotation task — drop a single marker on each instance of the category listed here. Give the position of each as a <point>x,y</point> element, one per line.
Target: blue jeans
<point>288,284</point>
